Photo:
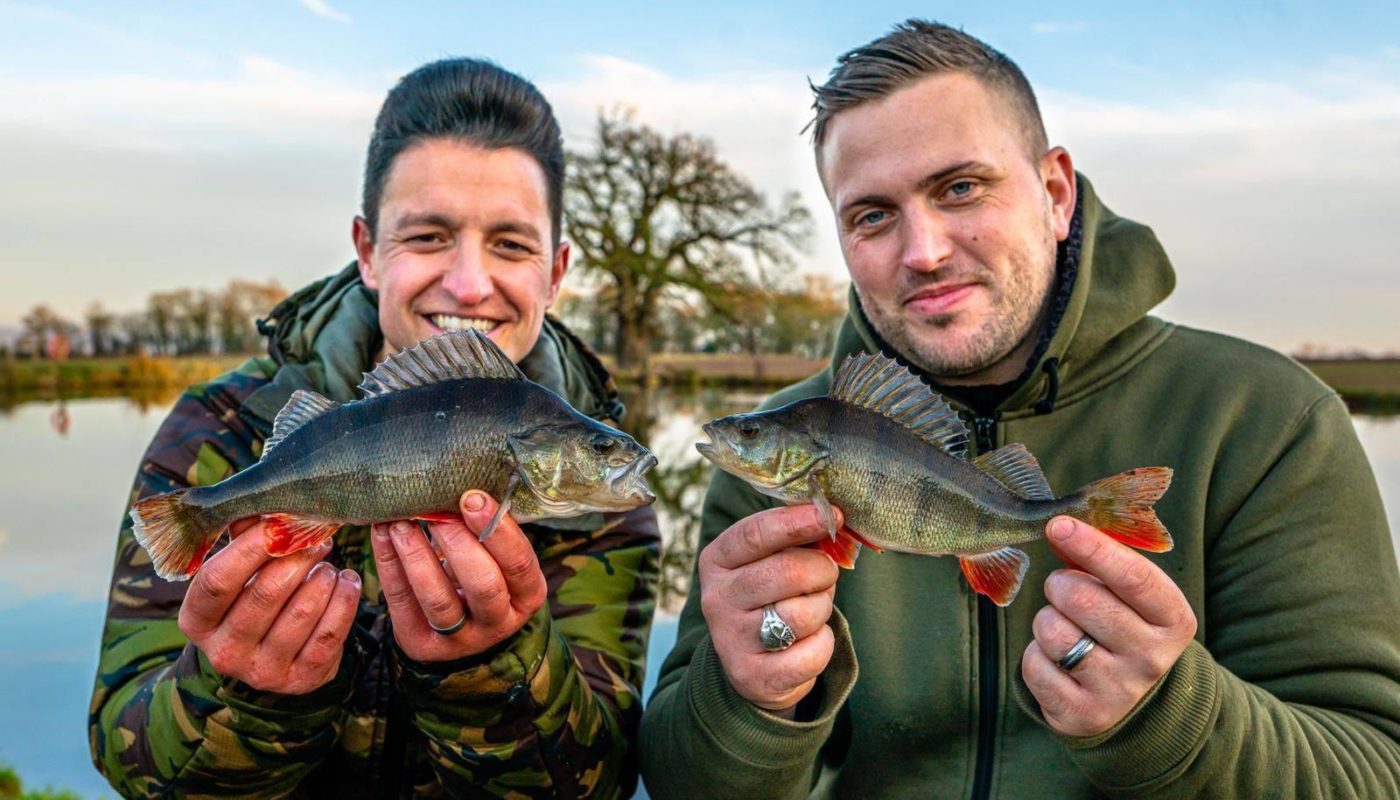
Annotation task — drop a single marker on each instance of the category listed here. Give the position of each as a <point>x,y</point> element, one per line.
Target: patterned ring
<point>1076,654</point>
<point>773,633</point>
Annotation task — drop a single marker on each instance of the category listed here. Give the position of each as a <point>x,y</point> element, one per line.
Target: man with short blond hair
<point>1258,658</point>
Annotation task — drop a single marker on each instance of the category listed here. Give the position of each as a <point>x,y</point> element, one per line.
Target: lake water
<point>68,468</point>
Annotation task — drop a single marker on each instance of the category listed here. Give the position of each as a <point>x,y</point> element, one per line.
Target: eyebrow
<point>430,219</point>
<point>434,219</point>
<point>521,228</point>
<point>924,183</point>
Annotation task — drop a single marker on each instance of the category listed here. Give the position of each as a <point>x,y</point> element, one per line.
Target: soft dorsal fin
<point>1015,468</point>
<point>881,385</point>
<point>452,356</point>
<point>302,407</point>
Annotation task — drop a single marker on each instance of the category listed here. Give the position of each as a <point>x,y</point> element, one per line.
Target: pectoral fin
<point>997,574</point>
<point>502,508</point>
<point>824,509</point>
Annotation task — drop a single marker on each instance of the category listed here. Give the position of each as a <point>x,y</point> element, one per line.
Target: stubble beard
<point>940,347</point>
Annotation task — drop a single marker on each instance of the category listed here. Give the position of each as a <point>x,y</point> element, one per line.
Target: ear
<point>364,251</point>
<point>556,272</point>
<point>1057,174</point>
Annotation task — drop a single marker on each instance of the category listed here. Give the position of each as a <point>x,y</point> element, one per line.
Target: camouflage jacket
<point>551,712</point>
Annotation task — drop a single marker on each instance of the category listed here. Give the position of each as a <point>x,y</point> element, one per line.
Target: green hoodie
<point>1290,689</point>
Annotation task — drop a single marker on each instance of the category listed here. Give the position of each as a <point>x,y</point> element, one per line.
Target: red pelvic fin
<point>845,548</point>
<point>851,533</point>
<point>997,574</point>
<point>1121,506</point>
<point>285,534</point>
<point>441,516</point>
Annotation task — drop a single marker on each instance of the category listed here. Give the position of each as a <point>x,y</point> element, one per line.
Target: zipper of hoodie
<point>988,636</point>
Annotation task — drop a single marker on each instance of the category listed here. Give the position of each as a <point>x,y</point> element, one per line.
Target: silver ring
<point>1076,654</point>
<point>773,633</point>
<point>450,629</point>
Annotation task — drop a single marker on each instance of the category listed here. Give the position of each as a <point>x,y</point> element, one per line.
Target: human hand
<point>276,624</point>
<point>757,561</point>
<point>1138,617</point>
<point>495,586</point>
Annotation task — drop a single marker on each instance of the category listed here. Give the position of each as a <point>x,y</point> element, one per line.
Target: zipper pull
<point>984,430</point>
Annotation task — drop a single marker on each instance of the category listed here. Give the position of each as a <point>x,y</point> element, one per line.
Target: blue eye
<point>961,188</point>
<point>870,218</point>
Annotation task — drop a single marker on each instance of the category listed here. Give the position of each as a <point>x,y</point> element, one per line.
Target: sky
<point>150,146</point>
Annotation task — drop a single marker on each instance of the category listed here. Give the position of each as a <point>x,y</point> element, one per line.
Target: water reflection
<point>61,498</point>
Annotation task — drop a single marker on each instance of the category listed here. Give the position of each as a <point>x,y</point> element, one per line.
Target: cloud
<point>1275,198</point>
<point>263,102</point>
<point>323,9</point>
<point>1050,28</point>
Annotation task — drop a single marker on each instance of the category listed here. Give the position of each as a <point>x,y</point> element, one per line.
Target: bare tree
<point>101,330</point>
<point>662,220</point>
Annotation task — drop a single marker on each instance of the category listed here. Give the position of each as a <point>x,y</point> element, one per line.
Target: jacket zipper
<point>984,432</point>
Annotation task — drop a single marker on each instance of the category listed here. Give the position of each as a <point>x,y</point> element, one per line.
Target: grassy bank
<point>1370,386</point>
<point>100,376</point>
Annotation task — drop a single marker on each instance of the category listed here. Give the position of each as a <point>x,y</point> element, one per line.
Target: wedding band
<point>1076,654</point>
<point>450,629</point>
<point>773,633</point>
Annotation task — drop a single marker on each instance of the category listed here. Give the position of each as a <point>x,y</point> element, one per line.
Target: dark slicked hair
<point>914,50</point>
<point>472,101</point>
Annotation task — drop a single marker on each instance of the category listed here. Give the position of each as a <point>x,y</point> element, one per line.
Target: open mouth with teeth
<point>447,322</point>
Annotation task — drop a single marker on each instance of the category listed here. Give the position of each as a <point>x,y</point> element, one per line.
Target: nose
<point>466,278</point>
<point>927,243</point>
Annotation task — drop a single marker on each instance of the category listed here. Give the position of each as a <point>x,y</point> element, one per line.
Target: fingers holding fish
<point>1090,606</point>
<point>429,585</point>
<point>214,588</point>
<point>319,657</point>
<point>263,600</point>
<point>765,533</point>
<point>495,585</point>
<point>1127,573</point>
<point>794,571</point>
<point>510,550</point>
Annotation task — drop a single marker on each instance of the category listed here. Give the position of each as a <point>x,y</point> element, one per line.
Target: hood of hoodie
<point>325,336</point>
<point>1121,273</point>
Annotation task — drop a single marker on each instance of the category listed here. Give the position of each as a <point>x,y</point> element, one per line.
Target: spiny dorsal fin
<point>452,356</point>
<point>302,407</point>
<point>1015,468</point>
<point>880,384</point>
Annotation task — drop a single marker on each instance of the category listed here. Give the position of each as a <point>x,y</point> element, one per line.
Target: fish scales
<point>448,415</point>
<point>905,495</point>
<point>393,455</point>
<point>892,456</point>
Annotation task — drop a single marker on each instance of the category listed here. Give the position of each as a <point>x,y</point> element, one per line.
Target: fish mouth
<point>709,449</point>
<point>631,482</point>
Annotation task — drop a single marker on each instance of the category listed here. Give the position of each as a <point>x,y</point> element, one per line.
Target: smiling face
<point>947,224</point>
<point>463,240</point>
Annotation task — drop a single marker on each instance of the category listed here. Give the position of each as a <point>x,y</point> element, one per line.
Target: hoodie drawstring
<point>1051,367</point>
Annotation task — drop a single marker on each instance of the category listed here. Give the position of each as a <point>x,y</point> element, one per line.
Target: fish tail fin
<point>1121,506</point>
<point>174,533</point>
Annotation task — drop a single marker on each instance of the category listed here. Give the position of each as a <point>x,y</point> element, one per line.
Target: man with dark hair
<point>1258,658</point>
<point>370,667</point>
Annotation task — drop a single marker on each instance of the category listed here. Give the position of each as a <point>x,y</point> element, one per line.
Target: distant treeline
<point>181,322</point>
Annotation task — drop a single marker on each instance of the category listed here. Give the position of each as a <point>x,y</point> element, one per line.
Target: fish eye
<point>748,428</point>
<point>603,444</point>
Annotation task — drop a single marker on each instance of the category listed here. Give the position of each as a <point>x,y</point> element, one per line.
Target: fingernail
<point>401,530</point>
<point>1061,528</point>
<point>475,501</point>
<point>350,575</point>
<point>319,570</point>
